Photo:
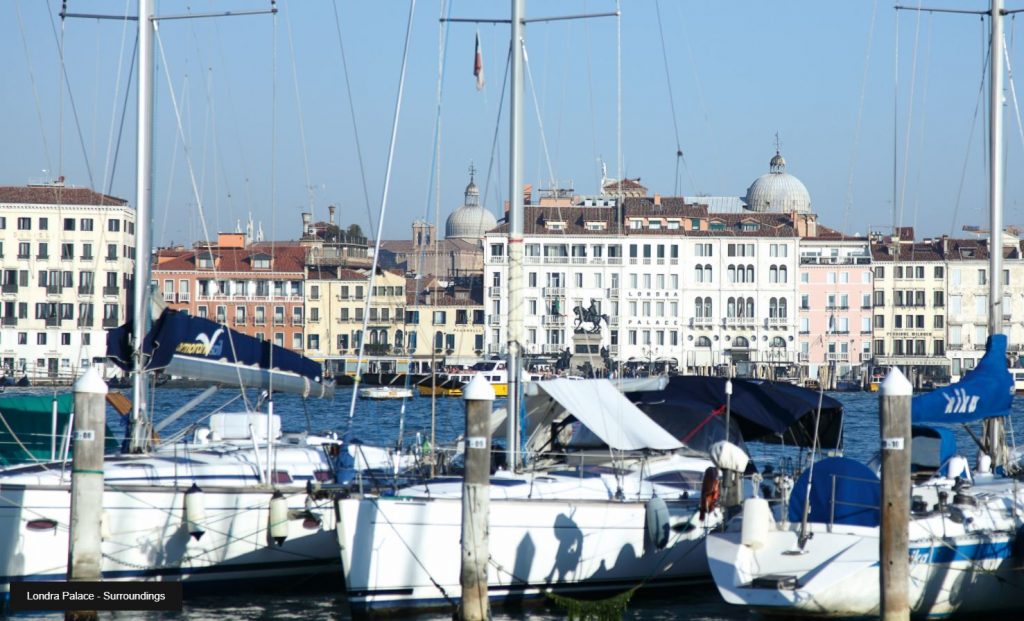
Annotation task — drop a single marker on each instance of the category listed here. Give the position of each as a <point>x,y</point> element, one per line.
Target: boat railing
<point>833,502</point>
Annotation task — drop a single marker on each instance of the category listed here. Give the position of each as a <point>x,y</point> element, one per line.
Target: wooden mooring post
<point>894,540</point>
<point>476,500</point>
<point>84,545</point>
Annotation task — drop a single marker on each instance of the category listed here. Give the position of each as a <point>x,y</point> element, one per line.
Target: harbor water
<point>378,422</point>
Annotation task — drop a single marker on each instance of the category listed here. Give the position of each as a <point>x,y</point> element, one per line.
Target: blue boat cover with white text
<point>984,392</point>
<point>177,335</point>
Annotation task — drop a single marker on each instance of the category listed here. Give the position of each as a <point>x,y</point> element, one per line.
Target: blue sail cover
<point>985,392</point>
<point>858,494</point>
<point>765,411</point>
<point>201,349</point>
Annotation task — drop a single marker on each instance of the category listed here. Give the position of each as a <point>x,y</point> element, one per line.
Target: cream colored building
<point>66,260</point>
<point>909,300</point>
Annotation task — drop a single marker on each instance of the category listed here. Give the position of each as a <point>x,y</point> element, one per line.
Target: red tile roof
<point>56,195</point>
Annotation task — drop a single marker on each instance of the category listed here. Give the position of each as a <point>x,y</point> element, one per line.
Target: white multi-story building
<point>681,287</point>
<point>66,259</point>
<point>967,295</point>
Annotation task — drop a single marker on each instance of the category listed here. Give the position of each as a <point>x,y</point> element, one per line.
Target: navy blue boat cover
<point>984,392</point>
<point>765,411</point>
<point>178,334</point>
<point>858,494</point>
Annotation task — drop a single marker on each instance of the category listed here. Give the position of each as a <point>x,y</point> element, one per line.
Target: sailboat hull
<point>837,575</point>
<point>398,553</point>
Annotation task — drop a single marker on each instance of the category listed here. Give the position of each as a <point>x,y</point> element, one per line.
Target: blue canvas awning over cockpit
<point>198,348</point>
<point>984,392</point>
<point>763,410</point>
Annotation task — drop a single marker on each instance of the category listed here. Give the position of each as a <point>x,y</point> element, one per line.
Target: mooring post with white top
<point>84,553</point>
<point>476,500</point>
<point>894,539</point>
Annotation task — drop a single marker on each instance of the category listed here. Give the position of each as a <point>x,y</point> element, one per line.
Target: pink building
<point>835,307</point>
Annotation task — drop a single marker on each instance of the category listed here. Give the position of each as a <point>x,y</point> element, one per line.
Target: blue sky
<point>739,72</point>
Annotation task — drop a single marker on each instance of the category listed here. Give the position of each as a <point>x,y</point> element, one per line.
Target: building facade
<point>67,256</point>
<point>257,289</point>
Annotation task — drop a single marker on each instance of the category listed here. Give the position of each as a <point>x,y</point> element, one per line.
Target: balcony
<point>613,350</point>
<point>493,349</point>
<point>552,348</point>
<point>554,292</point>
<point>85,289</point>
<point>9,321</point>
<point>53,289</point>
<point>734,322</point>
<point>803,356</point>
<point>110,322</point>
<point>297,321</point>
<point>837,307</point>
<point>702,322</point>
<point>613,293</point>
<point>168,296</point>
<point>278,320</point>
<point>111,290</point>
<point>259,321</point>
<point>552,321</point>
<point>314,320</point>
<point>776,322</point>
<point>613,322</point>
<point>53,322</point>
<point>84,322</point>
<point>9,287</point>
<point>494,292</point>
<point>184,296</point>
<point>496,259</point>
<point>837,356</point>
<point>494,320</point>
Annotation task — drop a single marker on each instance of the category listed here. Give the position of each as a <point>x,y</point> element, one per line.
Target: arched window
<point>750,273</point>
<point>783,310</point>
<point>412,342</point>
<point>732,273</point>
<point>373,337</point>
<point>703,341</point>
<point>698,275</point>
<point>700,308</point>
<point>383,338</point>
<point>438,340</point>
<point>773,308</point>
<point>750,306</point>
<point>399,337</point>
<point>741,342</point>
<point>357,339</point>
<point>707,308</point>
<point>778,341</point>
<point>730,308</point>
<point>773,274</point>
<point>707,273</point>
<point>782,274</point>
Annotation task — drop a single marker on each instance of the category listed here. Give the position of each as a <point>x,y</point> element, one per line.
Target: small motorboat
<point>385,392</point>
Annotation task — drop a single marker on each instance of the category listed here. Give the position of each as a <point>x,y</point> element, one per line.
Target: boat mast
<point>515,237</point>
<point>994,426</point>
<point>143,207</point>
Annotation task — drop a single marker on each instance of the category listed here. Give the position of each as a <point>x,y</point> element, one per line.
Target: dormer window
<point>205,260</point>
<point>261,261</point>
<point>596,226</point>
<point>750,226</point>
<point>555,225</point>
<point>636,224</point>
<point>672,225</point>
<point>654,225</point>
<point>716,225</point>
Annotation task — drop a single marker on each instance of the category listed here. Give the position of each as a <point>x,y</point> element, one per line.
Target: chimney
<point>657,199</point>
<point>330,210</point>
<point>307,218</point>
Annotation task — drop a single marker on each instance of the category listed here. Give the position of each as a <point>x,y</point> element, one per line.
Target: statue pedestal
<point>586,347</point>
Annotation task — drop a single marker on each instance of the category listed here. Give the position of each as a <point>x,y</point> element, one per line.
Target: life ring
<point>708,492</point>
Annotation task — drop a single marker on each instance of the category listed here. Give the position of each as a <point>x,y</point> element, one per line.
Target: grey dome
<point>778,191</point>
<point>471,220</point>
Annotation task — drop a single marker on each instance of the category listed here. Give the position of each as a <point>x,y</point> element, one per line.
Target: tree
<point>355,230</point>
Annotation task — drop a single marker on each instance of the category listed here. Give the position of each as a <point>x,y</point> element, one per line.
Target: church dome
<point>778,191</point>
<point>471,220</point>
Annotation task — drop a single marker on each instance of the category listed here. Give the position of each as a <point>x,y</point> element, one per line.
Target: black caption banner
<point>95,596</point>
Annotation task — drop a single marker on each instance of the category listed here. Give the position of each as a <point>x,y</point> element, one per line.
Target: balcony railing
<point>85,289</point>
<point>554,292</point>
<point>739,321</point>
<point>494,320</point>
<point>184,296</point>
<point>496,259</point>
<point>9,321</point>
<point>702,322</point>
<point>837,356</point>
<point>85,322</point>
<point>52,322</point>
<point>553,321</point>
<point>494,292</point>
<point>53,289</point>
<point>111,290</point>
<point>776,322</point>
<point>552,348</point>
<point>168,296</point>
<point>613,293</point>
<point>9,287</point>
<point>110,322</point>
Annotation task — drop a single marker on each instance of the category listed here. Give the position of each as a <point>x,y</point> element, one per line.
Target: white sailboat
<point>965,528</point>
<point>573,526</point>
<point>227,503</point>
